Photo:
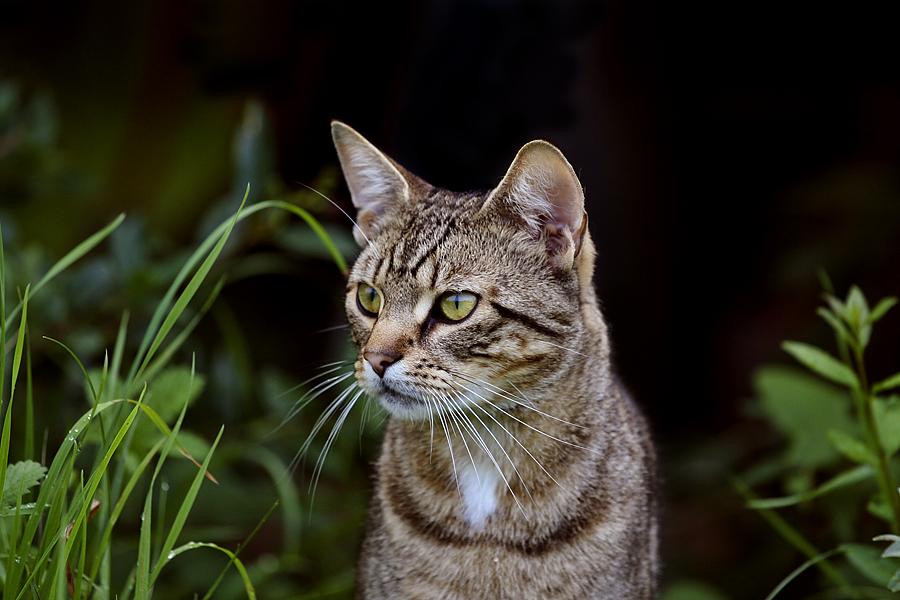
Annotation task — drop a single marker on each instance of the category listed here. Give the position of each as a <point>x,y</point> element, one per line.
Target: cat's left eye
<point>456,306</point>
<point>368,299</point>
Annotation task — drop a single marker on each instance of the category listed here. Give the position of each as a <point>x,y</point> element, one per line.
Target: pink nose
<point>379,361</point>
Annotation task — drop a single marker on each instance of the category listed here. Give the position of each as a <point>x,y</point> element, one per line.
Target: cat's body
<point>513,465</point>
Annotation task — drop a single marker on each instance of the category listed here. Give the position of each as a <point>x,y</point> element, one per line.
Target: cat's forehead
<point>438,241</point>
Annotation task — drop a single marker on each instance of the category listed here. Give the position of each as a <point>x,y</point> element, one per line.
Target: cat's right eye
<point>368,299</point>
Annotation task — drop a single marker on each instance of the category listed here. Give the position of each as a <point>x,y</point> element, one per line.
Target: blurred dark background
<point>727,152</point>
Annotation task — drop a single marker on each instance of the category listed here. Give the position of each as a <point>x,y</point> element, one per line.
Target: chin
<point>404,407</point>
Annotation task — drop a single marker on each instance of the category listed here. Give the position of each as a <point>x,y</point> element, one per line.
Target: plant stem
<point>796,539</point>
<point>864,401</point>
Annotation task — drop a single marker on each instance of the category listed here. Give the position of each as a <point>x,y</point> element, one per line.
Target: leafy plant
<point>60,545</point>
<point>844,437</point>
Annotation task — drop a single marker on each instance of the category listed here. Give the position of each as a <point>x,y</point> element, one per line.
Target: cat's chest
<point>480,487</point>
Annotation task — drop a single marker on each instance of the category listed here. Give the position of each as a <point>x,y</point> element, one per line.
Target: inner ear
<point>542,190</point>
<point>378,186</point>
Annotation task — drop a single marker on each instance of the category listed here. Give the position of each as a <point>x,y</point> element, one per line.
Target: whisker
<point>332,328</point>
<point>431,435</point>
<point>561,347</point>
<point>441,417</point>
<point>352,220</point>
<point>515,400</point>
<point>320,462</point>
<point>327,368</point>
<point>333,406</point>
<point>529,426</point>
<point>464,415</point>
<point>315,392</point>
<point>516,440</point>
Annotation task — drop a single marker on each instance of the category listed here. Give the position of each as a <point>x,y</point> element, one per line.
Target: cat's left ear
<point>541,188</point>
<point>377,184</point>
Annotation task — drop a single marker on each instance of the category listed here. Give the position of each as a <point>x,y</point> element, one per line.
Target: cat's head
<point>465,300</point>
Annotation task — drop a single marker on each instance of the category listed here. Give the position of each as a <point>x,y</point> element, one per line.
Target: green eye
<point>456,306</point>
<point>368,299</point>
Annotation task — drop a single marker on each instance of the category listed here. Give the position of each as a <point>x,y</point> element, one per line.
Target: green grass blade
<point>248,585</point>
<point>94,395</point>
<point>56,484</point>
<point>2,317</point>
<point>142,576</point>
<point>83,500</point>
<point>122,499</point>
<point>217,237</point>
<point>76,253</point>
<point>812,561</point>
<point>318,229</point>
<point>29,407</point>
<point>183,510</point>
<point>850,477</point>
<point>7,419</point>
<point>163,358</point>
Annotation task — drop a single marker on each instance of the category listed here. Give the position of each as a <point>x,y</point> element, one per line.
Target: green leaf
<point>884,305</point>
<point>690,589</point>
<point>22,475</point>
<point>879,507</point>
<point>837,307</point>
<point>837,325</point>
<point>821,362</point>
<point>887,384</point>
<point>169,391</point>
<point>804,408</point>
<point>894,549</point>
<point>844,479</point>
<point>852,447</point>
<point>886,412</point>
<point>856,308</point>
<point>868,561</point>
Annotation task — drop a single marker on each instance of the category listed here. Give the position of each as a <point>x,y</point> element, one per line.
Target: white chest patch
<point>480,491</point>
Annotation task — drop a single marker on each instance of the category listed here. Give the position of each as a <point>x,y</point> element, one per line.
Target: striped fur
<point>513,465</point>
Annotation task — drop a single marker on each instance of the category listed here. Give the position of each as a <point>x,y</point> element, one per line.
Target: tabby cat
<point>514,466</point>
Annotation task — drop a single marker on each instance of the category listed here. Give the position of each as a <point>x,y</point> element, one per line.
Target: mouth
<point>402,405</point>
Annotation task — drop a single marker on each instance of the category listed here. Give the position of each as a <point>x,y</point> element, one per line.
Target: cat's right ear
<point>543,192</point>
<point>376,183</point>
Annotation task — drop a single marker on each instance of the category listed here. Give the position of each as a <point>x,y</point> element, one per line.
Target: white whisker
<point>315,392</point>
<point>352,220</point>
<point>441,417</point>
<point>464,415</point>
<point>515,400</point>
<point>561,347</point>
<point>333,328</point>
<point>320,462</point>
<point>516,440</point>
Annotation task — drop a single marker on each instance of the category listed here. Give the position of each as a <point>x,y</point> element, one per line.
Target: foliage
<point>841,461</point>
<point>120,320</point>
<point>69,540</point>
<point>60,545</point>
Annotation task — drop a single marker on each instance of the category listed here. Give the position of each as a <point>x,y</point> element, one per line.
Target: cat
<point>514,465</point>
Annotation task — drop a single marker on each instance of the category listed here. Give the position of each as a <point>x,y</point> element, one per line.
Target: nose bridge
<point>389,336</point>
<point>387,343</point>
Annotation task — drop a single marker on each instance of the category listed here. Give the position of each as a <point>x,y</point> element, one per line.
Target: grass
<point>67,542</point>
